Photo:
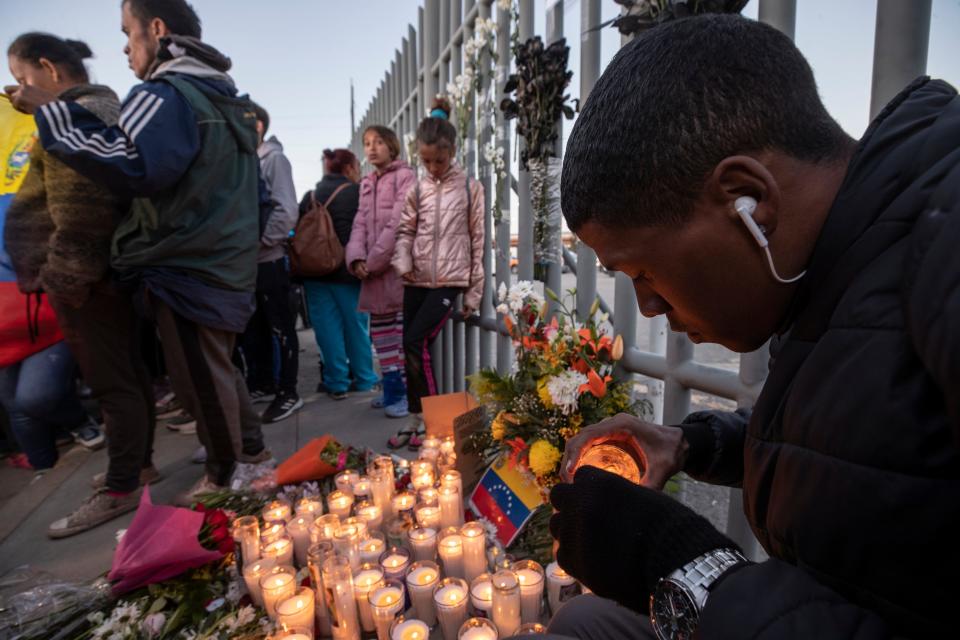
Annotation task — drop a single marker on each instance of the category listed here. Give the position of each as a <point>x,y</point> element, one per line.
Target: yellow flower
<point>498,428</point>
<point>544,458</point>
<point>544,393</point>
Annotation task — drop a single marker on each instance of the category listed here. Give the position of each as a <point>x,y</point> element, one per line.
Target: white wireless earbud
<point>745,206</point>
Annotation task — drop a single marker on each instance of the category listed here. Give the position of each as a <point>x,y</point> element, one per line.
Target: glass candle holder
<point>277,511</point>
<point>412,629</point>
<point>361,489</point>
<point>450,548</point>
<point>452,478</point>
<point>252,574</point>
<point>396,532</point>
<point>431,442</point>
<point>428,497</point>
<point>344,481</point>
<point>316,555</point>
<point>447,445</point>
<point>272,532</point>
<point>532,629</point>
<point>276,587</point>
<point>246,534</point>
<point>386,603</point>
<point>309,506</point>
<point>423,543</point>
<point>395,561</point>
<point>365,580</point>
<point>372,548</point>
<point>505,612</point>
<point>281,550</point>
<point>339,503</point>
<point>430,453</point>
<point>403,504</point>
<point>346,542</point>
<point>358,523</point>
<point>477,629</point>
<point>474,538</point>
<point>297,610</point>
<point>298,530</point>
<point>422,474</point>
<point>561,586</point>
<point>450,598</point>
<point>292,633</point>
<point>446,462</point>
<point>421,580</point>
<point>324,527</point>
<point>451,506</point>
<point>428,516</point>
<point>381,490</point>
<point>481,595</point>
<point>340,598</point>
<point>382,463</point>
<point>531,579</point>
<point>621,457</point>
<point>371,515</point>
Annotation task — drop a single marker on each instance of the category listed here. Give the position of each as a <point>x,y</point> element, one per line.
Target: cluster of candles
<point>377,552</point>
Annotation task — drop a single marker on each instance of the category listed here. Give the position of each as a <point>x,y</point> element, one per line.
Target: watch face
<point>673,612</point>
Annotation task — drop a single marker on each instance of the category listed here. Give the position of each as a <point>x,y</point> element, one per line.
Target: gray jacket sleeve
<point>716,445</point>
<point>278,175</point>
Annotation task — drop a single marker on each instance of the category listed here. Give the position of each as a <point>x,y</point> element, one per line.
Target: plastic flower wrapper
<point>161,542</point>
<point>35,605</point>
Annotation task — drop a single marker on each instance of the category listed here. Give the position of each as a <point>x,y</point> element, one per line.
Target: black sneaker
<point>89,434</point>
<point>258,396</point>
<point>337,395</point>
<point>283,406</point>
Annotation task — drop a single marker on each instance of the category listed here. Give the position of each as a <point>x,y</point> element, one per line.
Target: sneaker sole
<point>57,534</point>
<point>289,412</point>
<point>263,400</point>
<point>92,446</point>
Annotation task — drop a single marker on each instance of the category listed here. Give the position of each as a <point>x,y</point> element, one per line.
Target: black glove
<point>619,538</point>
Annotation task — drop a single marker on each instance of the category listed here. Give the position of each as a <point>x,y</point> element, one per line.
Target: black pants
<point>272,319</point>
<point>425,311</point>
<point>105,336</point>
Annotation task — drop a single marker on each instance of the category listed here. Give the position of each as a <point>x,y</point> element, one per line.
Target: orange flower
<point>595,384</point>
<point>617,352</point>
<point>507,321</point>
<point>581,365</point>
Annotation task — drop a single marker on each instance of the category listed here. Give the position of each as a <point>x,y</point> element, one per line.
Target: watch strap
<point>699,574</point>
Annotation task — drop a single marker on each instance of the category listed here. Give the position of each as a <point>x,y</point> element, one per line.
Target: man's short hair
<point>675,102</point>
<point>178,15</point>
<point>262,116</point>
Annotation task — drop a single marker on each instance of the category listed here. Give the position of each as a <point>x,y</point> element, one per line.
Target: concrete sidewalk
<point>28,508</point>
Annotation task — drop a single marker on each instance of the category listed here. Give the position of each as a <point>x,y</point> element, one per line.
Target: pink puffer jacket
<point>440,239</point>
<point>374,235</point>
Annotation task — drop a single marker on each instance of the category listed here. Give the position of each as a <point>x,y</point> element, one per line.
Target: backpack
<point>316,249</point>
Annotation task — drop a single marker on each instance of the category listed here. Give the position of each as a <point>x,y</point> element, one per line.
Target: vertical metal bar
<point>658,344</point>
<point>393,91</point>
<point>503,130</point>
<point>589,72</point>
<point>899,48</point>
<point>405,90</point>
<point>413,116</point>
<point>431,48</point>
<point>779,14</point>
<point>676,403</point>
<point>436,359</point>
<point>624,316</point>
<point>555,267</point>
<point>448,357</point>
<point>473,337</point>
<point>459,355</point>
<point>456,52</point>
<point>525,212</point>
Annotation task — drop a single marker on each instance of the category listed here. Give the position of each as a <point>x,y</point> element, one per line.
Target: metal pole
<point>589,73</point>
<point>444,37</point>
<point>555,267</point>
<point>658,345</point>
<point>780,14</point>
<point>676,403</point>
<point>431,46</point>
<point>448,357</point>
<point>525,212</point>
<point>624,317</point>
<point>899,48</point>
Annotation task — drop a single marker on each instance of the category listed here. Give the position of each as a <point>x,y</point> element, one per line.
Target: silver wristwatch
<point>679,598</point>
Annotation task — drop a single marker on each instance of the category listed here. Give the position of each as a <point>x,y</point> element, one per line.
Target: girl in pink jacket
<point>439,255</point>
<point>368,257</point>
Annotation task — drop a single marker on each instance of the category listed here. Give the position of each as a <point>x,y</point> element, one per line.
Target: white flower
<point>502,292</point>
<point>520,293</point>
<point>119,535</point>
<point>246,615</point>
<point>564,389</point>
<point>234,593</point>
<point>502,308</point>
<point>505,5</point>
<point>153,624</point>
<point>470,48</point>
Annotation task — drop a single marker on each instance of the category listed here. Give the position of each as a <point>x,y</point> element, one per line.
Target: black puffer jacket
<point>850,462</point>
<point>342,210</point>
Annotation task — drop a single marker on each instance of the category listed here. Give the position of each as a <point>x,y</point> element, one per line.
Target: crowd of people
<point>157,250</point>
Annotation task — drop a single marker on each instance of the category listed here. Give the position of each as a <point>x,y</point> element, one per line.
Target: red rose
<point>217,518</point>
<point>200,507</point>
<point>225,546</point>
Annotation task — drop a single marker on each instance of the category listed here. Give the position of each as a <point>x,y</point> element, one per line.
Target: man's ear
<point>51,69</point>
<point>737,176</point>
<point>159,28</point>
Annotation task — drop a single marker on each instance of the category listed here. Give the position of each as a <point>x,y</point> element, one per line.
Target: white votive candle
<point>371,514</point>
<point>428,516</point>
<point>421,580</point>
<point>280,549</point>
<point>296,610</point>
<point>309,506</point>
<point>324,527</point>
<point>474,538</point>
<point>403,504</point>
<point>386,603</point>
<point>561,586</point>
<point>246,532</point>
<point>450,599</point>
<point>272,532</point>
<point>276,587</point>
<point>381,490</point>
<point>477,629</point>
<point>409,630</point>
<point>447,445</point>
<point>423,543</point>
<point>451,506</point>
<point>362,488</point>
<point>341,599</point>
<point>345,479</point>
<point>277,511</point>
<point>372,548</point>
<point>481,594</point>
<point>506,603</point>
<point>252,573</point>
<point>452,478</point>
<point>395,561</point>
<point>298,530</point>
<point>339,503</point>
<point>429,497</point>
<point>450,549</point>
<point>530,576</point>
<point>368,578</point>
<point>346,541</point>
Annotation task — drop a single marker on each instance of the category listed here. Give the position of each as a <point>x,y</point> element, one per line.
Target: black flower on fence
<point>640,15</point>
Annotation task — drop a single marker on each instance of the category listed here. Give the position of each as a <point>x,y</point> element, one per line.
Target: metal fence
<point>432,54</point>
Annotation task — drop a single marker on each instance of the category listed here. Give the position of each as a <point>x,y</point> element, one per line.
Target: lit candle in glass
<point>474,538</point>
<point>423,543</point>
<point>298,530</point>
<point>403,504</point>
<point>362,488</point>
<point>452,478</point>
<point>617,456</point>
<point>340,598</point>
<point>429,497</point>
<point>271,533</point>
<point>381,463</point>
<point>381,488</point>
<point>386,603</point>
<point>561,586</point>
<point>339,503</point>
<point>252,574</point>
<point>324,527</point>
<point>409,630</point>
<point>281,550</point>
<point>428,516</point>
<point>477,629</point>
<point>358,523</point>
<point>346,542</point>
<point>421,580</point>
<point>246,534</point>
<point>505,612</point>
<point>451,506</point>
<point>447,445</point>
<point>309,506</point>
<point>276,587</point>
<point>450,548</point>
<point>430,442</point>
<point>292,633</point>
<point>368,578</point>
<point>532,629</point>
<point>316,555</point>
<point>395,561</point>
<point>530,576</point>
<point>344,481</point>
<point>371,514</point>
<point>277,511</point>
<point>396,532</point>
<point>422,474</point>
<point>450,599</point>
<point>296,610</point>
<point>481,595</point>
<point>372,548</point>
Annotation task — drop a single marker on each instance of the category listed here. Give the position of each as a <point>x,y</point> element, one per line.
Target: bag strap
<point>326,205</point>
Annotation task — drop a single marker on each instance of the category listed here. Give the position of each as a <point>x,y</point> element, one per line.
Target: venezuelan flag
<point>506,498</point>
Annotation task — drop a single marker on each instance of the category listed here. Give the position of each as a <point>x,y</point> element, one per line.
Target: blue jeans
<point>39,395</point>
<point>343,335</point>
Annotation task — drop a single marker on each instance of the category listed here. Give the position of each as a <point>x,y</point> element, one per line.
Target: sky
<point>297,57</point>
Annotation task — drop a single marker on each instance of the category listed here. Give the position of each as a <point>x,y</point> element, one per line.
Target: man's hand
<point>619,538</point>
<point>359,268</point>
<point>27,98</point>
<point>409,277</point>
<point>663,447</point>
<point>468,311</point>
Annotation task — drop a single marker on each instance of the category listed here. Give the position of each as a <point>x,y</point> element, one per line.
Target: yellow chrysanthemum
<point>544,458</point>
<point>544,393</point>
<point>573,427</point>
<point>498,428</point>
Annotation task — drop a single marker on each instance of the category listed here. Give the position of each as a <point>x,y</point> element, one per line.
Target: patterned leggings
<point>386,332</point>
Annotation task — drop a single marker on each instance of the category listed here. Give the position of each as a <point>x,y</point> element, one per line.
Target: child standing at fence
<point>439,255</point>
<point>368,255</point>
